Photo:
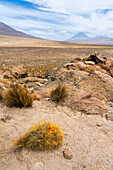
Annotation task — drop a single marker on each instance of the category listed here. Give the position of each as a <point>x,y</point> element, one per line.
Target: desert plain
<point>86,116</point>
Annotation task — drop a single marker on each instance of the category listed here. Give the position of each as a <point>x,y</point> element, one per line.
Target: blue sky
<point>58,19</point>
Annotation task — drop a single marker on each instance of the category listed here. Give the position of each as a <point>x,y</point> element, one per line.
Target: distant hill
<point>7,30</point>
<point>83,38</point>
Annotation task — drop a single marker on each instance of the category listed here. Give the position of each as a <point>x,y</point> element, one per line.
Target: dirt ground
<point>89,138</point>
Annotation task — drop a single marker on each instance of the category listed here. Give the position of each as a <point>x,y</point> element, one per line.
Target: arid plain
<point>39,53</point>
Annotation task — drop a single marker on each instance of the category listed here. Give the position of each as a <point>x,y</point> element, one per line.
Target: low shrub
<point>17,95</point>
<point>58,93</point>
<point>42,136</point>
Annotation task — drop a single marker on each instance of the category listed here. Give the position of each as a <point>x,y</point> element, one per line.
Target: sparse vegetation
<point>17,95</point>
<point>42,136</point>
<point>58,93</point>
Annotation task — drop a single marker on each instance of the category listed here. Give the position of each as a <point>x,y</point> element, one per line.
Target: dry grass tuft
<point>42,136</point>
<point>58,93</point>
<point>17,95</point>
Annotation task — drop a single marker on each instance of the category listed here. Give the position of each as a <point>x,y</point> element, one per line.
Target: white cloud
<point>74,6</point>
<point>52,23</point>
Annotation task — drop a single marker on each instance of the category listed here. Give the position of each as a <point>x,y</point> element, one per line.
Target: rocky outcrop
<point>91,81</point>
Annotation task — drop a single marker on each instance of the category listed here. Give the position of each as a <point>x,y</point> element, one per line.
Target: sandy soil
<point>89,138</point>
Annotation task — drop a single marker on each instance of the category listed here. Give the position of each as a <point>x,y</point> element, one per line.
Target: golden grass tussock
<point>58,93</point>
<point>42,136</point>
<point>16,95</point>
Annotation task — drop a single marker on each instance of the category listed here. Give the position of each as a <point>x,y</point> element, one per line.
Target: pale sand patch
<point>90,138</point>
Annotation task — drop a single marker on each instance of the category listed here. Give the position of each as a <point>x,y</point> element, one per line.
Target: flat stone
<point>67,152</point>
<point>89,62</point>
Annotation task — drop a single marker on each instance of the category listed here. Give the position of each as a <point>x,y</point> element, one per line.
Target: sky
<point>59,19</point>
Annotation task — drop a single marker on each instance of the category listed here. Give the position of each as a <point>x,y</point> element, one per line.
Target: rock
<point>7,75</point>
<point>69,64</point>
<point>98,83</point>
<point>39,84</point>
<point>67,152</point>
<point>5,118</point>
<point>104,63</point>
<point>81,66</point>
<point>89,62</point>
<point>42,81</point>
<point>99,124</point>
<point>109,115</point>
<point>108,64</point>
<point>76,66</point>
<point>33,79</point>
<point>19,72</point>
<point>87,103</point>
<point>96,58</point>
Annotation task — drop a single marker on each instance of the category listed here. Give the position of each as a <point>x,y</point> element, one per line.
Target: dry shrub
<point>42,136</point>
<point>17,95</point>
<point>58,93</point>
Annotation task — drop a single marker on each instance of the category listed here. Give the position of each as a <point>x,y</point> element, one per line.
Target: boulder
<point>76,66</point>
<point>96,58</point>
<point>100,84</point>
<point>87,103</point>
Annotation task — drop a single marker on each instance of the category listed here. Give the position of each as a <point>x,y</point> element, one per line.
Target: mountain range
<point>83,38</point>
<point>7,30</point>
<point>80,37</point>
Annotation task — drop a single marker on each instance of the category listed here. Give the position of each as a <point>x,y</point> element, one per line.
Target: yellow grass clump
<point>17,95</point>
<point>58,93</point>
<point>42,136</point>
